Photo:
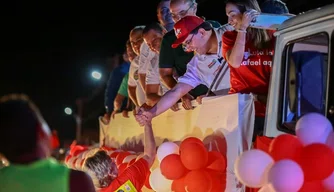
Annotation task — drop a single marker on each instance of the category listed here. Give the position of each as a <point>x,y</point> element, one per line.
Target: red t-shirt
<point>253,75</point>
<point>136,174</point>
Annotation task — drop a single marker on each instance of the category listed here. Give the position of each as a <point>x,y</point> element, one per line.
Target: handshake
<point>144,115</point>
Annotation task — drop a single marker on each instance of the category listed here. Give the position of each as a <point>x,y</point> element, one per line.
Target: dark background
<point>49,49</point>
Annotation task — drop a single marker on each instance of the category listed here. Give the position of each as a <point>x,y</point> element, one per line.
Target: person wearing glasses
<point>198,35</point>
<point>171,59</point>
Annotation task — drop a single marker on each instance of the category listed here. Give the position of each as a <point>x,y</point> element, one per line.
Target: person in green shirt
<point>177,59</point>
<point>25,143</point>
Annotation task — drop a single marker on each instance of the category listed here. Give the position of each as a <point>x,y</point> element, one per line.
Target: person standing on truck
<point>25,140</point>
<point>249,52</point>
<point>176,59</point>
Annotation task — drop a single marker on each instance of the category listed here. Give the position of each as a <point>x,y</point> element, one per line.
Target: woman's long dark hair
<point>259,37</point>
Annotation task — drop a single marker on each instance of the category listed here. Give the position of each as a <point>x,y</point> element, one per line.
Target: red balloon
<point>216,161</point>
<point>172,168</point>
<point>147,181</point>
<point>122,167</point>
<point>178,185</point>
<point>67,158</point>
<point>285,146</point>
<point>312,186</point>
<point>131,162</point>
<point>190,140</point>
<point>316,161</point>
<point>218,180</point>
<point>197,181</point>
<point>120,157</point>
<point>76,150</point>
<point>194,156</point>
<point>106,148</point>
<point>114,155</point>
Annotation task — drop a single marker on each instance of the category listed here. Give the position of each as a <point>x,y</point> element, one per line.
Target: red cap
<point>184,27</point>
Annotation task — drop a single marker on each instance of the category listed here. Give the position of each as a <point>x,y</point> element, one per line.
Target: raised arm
<point>149,144</point>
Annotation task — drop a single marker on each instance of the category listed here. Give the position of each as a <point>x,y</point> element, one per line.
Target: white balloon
<point>286,175</point>
<point>313,128</point>
<point>158,182</point>
<point>167,148</point>
<point>328,183</point>
<point>330,140</point>
<point>128,158</point>
<point>267,188</point>
<point>251,168</point>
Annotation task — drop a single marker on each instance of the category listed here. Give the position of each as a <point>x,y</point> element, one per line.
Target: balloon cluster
<point>303,163</point>
<point>189,167</point>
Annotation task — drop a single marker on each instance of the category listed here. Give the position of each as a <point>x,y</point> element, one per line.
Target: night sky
<point>49,48</point>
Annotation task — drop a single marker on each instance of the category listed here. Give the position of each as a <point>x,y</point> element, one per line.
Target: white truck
<point>302,79</point>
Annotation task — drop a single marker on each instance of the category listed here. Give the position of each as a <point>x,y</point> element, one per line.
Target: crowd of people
<point>181,58</point>
<point>184,57</point>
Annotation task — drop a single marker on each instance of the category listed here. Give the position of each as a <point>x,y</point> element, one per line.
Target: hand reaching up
<point>144,115</point>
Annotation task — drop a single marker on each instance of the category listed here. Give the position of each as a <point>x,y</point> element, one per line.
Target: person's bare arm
<point>170,98</point>
<point>235,56</point>
<point>152,96</point>
<point>166,75</point>
<point>142,80</point>
<point>149,145</point>
<point>132,94</point>
<point>118,102</point>
<point>80,181</point>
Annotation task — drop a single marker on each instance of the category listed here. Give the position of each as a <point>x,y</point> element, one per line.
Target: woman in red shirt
<point>249,52</point>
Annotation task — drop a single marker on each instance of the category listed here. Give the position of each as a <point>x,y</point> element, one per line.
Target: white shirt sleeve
<point>145,57</point>
<point>152,75</point>
<point>191,77</point>
<point>131,80</point>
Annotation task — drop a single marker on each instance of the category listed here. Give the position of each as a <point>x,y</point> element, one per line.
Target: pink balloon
<point>328,183</point>
<point>330,140</point>
<point>313,128</point>
<point>286,175</point>
<point>252,166</point>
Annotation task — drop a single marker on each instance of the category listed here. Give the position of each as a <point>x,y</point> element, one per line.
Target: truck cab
<point>302,79</point>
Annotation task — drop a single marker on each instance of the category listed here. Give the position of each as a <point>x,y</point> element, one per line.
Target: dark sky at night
<point>50,47</point>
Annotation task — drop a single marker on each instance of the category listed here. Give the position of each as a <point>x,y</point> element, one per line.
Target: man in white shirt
<point>197,35</point>
<point>147,57</point>
<point>135,90</point>
<point>153,34</point>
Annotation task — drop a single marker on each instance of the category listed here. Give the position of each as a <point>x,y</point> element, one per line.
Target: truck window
<point>304,79</point>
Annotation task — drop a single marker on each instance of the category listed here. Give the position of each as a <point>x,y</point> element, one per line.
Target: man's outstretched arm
<point>170,98</point>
